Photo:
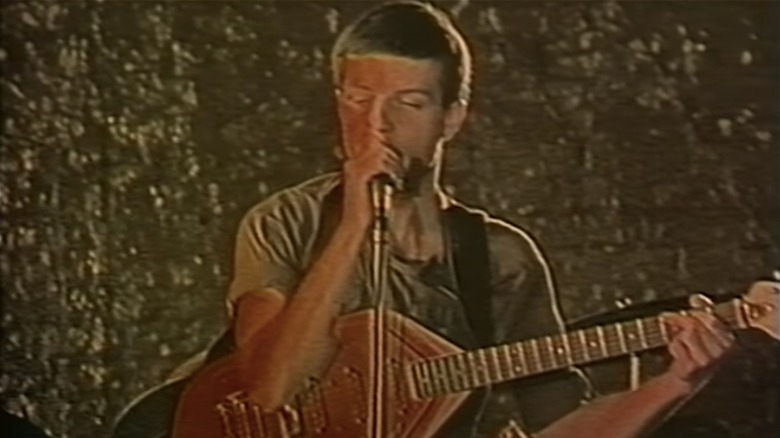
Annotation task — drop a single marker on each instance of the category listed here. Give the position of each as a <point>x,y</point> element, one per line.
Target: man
<point>402,76</point>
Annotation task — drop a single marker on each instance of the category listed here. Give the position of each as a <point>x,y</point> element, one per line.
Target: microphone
<point>382,188</point>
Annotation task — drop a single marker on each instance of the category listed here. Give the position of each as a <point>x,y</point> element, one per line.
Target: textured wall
<point>637,140</point>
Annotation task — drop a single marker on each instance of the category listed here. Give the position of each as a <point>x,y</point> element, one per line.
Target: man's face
<point>397,102</point>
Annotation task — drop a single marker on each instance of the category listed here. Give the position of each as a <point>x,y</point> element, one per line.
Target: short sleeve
<point>524,302</point>
<point>266,253</point>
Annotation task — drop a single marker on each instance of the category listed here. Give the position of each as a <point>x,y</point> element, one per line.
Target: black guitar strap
<point>469,251</point>
<point>468,240</point>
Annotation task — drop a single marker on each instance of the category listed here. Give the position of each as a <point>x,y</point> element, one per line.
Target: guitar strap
<point>468,244</point>
<point>471,259</point>
<point>468,241</point>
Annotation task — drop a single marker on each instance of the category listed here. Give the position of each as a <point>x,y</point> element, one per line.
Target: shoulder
<point>294,204</point>
<point>507,242</point>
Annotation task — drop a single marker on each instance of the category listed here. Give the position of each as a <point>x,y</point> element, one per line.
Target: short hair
<point>410,29</point>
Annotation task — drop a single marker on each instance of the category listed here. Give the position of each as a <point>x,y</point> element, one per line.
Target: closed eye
<point>354,97</point>
<point>413,104</point>
<point>413,99</point>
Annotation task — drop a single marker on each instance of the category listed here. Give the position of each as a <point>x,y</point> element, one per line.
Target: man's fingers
<point>698,340</point>
<point>674,323</point>
<point>691,340</point>
<point>706,342</point>
<point>703,311</point>
<point>700,302</point>
<point>713,330</point>
<point>678,350</point>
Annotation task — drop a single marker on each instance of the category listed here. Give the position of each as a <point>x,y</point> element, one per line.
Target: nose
<point>379,116</point>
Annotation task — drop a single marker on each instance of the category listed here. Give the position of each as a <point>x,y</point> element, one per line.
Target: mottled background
<point>636,139</point>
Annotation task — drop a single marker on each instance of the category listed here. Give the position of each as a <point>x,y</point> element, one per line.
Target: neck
<point>415,221</point>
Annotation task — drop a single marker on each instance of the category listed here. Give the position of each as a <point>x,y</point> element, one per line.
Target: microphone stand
<point>381,197</point>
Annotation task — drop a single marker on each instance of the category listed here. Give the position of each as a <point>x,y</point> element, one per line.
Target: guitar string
<point>648,332</point>
<point>653,337</point>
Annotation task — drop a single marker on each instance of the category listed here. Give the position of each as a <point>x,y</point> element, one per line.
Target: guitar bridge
<point>243,419</point>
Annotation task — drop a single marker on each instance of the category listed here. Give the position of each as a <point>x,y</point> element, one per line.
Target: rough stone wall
<point>636,140</point>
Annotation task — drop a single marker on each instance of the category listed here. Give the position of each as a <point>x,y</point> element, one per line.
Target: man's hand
<point>375,159</point>
<point>699,343</point>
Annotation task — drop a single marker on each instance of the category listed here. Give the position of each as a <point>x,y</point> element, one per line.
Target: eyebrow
<point>426,93</point>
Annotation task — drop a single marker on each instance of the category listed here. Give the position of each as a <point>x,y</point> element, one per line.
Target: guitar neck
<point>473,369</point>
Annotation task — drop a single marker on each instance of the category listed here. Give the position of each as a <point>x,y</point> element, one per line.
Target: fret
<point>506,366</point>
<point>654,331</point>
<point>416,379</point>
<point>602,341</point>
<point>520,367</point>
<point>479,368</point>
<point>592,344</point>
<point>446,376</point>
<point>567,349</point>
<point>482,367</point>
<point>559,349</point>
<point>612,340</point>
<point>434,376</point>
<point>535,355</point>
<point>257,414</point>
<point>663,329</point>
<point>488,364</point>
<point>506,351</point>
<point>227,422</point>
<point>642,338</point>
<point>427,382</point>
<point>551,349</point>
<point>485,365</point>
<point>242,423</point>
<point>474,368</point>
<point>453,374</point>
<point>441,376</point>
<point>465,377</point>
<point>528,360</point>
<point>575,349</point>
<point>470,372</point>
<point>584,344</point>
<point>621,338</point>
<point>457,373</point>
<point>632,338</point>
<point>496,364</point>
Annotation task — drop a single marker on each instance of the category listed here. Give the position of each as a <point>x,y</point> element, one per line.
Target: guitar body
<point>339,404</point>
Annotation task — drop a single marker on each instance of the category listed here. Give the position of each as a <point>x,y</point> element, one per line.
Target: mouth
<point>415,174</point>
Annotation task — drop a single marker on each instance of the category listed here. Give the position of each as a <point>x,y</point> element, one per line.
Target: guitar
<point>427,377</point>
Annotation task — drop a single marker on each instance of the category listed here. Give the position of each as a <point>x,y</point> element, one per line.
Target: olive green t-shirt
<point>277,241</point>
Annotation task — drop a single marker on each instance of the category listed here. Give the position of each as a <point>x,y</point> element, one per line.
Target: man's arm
<point>527,304</point>
<point>284,336</point>
<point>280,339</point>
<point>698,346</point>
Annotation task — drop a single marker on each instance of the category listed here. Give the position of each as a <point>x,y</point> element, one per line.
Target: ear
<point>454,116</point>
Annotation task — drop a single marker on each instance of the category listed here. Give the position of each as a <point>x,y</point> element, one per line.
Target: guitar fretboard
<point>473,369</point>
